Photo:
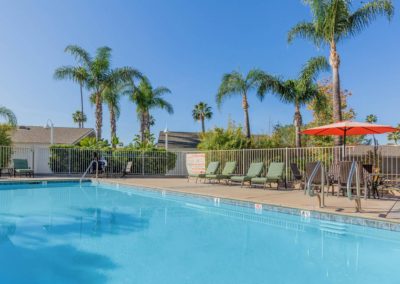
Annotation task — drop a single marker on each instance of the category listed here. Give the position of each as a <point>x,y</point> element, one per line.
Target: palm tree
<point>235,83</point>
<point>75,73</point>
<point>332,22</point>
<point>147,98</point>
<point>395,136</point>
<point>8,115</point>
<point>112,96</point>
<point>299,91</point>
<point>79,118</point>
<point>202,112</point>
<point>101,76</point>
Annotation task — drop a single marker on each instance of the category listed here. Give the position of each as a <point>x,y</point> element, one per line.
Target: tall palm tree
<point>101,76</point>
<point>202,111</point>
<point>147,98</point>
<point>235,83</point>
<point>8,115</point>
<point>333,21</point>
<point>299,91</point>
<point>79,118</point>
<point>75,73</point>
<point>112,97</point>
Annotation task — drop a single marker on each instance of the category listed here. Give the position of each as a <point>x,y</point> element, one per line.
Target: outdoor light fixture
<point>50,124</point>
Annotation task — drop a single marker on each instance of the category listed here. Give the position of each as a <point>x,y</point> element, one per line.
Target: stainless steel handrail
<point>354,170</point>
<point>87,170</point>
<point>309,190</point>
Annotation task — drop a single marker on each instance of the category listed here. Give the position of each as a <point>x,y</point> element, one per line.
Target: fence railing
<point>173,163</point>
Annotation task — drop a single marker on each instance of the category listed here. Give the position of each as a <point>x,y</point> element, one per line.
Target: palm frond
<point>363,17</point>
<point>8,115</point>
<point>305,30</point>
<point>232,84</point>
<point>313,68</point>
<point>79,53</point>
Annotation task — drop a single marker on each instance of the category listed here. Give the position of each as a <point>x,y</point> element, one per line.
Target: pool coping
<point>305,213</point>
<point>40,181</point>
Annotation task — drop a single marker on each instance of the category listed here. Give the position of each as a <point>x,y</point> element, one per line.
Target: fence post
<point>33,159</point>
<point>143,162</point>
<point>243,166</point>
<point>286,164</point>
<point>69,161</point>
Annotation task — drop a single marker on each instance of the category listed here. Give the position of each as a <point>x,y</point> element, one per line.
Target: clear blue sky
<point>186,46</point>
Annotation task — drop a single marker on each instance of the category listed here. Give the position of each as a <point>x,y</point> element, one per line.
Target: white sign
<point>196,163</point>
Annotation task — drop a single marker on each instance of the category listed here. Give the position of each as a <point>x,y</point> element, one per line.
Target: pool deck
<point>387,209</point>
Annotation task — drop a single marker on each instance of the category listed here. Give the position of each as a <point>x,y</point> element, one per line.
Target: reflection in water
<point>96,235</point>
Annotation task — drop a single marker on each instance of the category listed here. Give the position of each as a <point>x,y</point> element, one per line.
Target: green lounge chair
<point>21,167</point>
<point>227,172</point>
<point>211,169</point>
<point>255,170</point>
<point>274,174</point>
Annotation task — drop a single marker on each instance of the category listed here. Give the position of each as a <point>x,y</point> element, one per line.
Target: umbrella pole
<point>344,145</point>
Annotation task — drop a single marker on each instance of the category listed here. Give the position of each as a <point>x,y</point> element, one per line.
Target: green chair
<point>212,168</point>
<point>227,172</point>
<point>21,167</point>
<point>254,170</point>
<point>275,174</point>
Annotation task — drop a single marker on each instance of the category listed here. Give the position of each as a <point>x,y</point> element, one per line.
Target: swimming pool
<point>64,233</point>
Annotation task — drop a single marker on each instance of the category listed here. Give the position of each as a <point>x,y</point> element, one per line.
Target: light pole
<point>51,126</point>
<point>166,138</point>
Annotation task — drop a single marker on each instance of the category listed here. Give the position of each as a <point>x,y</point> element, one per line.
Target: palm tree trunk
<point>334,61</point>
<point>142,126</point>
<point>297,125</point>
<point>147,124</point>
<point>203,127</point>
<point>81,122</point>
<point>245,106</point>
<point>99,115</point>
<point>113,125</point>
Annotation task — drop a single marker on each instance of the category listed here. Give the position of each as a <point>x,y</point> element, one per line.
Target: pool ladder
<point>309,188</point>
<point>87,170</point>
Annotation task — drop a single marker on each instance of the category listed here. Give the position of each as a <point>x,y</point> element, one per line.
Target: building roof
<point>41,135</point>
<point>179,140</point>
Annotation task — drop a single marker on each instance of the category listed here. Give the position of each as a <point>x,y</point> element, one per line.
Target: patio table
<point>388,180</point>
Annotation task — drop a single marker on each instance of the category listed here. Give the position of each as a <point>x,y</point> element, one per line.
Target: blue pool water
<point>61,233</point>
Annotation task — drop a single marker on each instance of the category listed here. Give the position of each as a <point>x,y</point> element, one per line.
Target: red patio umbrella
<point>345,128</point>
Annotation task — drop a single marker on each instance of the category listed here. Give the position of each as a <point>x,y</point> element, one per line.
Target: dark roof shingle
<point>41,135</point>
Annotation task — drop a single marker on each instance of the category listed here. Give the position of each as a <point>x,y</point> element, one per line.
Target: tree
<point>235,83</point>
<point>333,21</point>
<point>112,96</point>
<point>147,98</point>
<point>322,110</point>
<point>202,112</point>
<point>394,136</point>
<point>79,118</point>
<point>77,74</point>
<point>100,76</point>
<point>299,91</point>
<point>8,115</point>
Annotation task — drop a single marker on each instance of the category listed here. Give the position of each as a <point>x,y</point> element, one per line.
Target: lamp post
<point>50,124</point>
<point>166,138</point>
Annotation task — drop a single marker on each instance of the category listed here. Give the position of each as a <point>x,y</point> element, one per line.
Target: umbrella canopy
<point>345,128</point>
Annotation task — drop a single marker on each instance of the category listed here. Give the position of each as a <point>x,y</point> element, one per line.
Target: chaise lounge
<point>255,170</point>
<point>212,169</point>
<point>21,168</point>
<point>227,172</point>
<point>274,174</point>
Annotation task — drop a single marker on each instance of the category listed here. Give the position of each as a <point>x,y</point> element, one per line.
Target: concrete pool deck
<point>387,209</point>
